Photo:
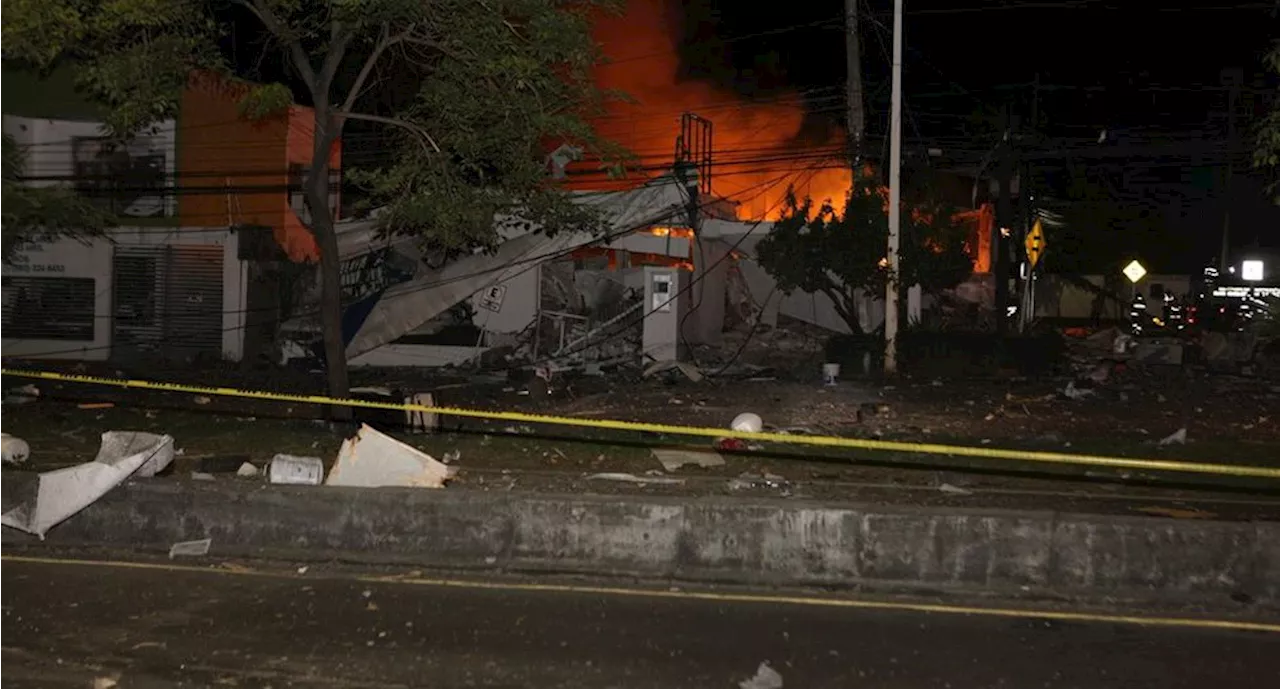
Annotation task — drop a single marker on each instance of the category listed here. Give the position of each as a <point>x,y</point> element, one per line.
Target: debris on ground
<point>371,459</point>
<point>730,445</point>
<point>747,422</point>
<point>63,492</point>
<point>22,395</point>
<point>295,471</point>
<point>1178,437</point>
<point>88,406</point>
<point>190,548</point>
<point>748,481</point>
<point>765,678</point>
<point>950,489</point>
<point>690,371</point>
<point>247,470</point>
<point>671,460</point>
<point>14,450</point>
<point>1072,392</point>
<point>632,478</point>
<point>1176,512</point>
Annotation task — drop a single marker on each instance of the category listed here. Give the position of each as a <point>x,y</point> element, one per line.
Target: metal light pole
<point>895,199</point>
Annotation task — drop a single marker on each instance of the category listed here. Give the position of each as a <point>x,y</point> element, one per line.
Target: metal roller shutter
<point>167,301</point>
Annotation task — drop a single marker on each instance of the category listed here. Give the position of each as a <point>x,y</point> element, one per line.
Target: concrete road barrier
<point>783,542</point>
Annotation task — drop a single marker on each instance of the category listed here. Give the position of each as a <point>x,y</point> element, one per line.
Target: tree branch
<point>338,40</point>
<point>842,309</point>
<point>422,134</point>
<point>385,40</point>
<point>278,29</point>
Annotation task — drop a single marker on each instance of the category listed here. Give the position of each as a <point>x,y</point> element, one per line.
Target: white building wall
<point>70,259</point>
<point>49,147</point>
<point>94,259</point>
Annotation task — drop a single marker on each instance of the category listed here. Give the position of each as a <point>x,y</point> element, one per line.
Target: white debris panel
<point>63,492</point>
<point>371,460</point>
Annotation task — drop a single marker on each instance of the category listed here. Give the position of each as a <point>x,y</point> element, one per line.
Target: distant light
<point>1231,269</point>
<point>1134,271</point>
<point>1251,271</point>
<point>1005,232</point>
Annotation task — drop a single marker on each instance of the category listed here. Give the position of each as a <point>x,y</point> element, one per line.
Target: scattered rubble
<point>22,395</point>
<point>672,460</point>
<point>632,478</point>
<point>765,678</point>
<point>1178,437</point>
<point>190,548</point>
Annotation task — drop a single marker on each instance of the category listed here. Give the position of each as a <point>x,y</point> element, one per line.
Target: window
<point>49,308</point>
<point>122,179</point>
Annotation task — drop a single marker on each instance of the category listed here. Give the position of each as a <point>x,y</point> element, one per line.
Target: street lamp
<point>1251,271</point>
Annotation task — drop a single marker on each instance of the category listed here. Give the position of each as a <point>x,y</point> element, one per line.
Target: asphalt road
<point>67,624</point>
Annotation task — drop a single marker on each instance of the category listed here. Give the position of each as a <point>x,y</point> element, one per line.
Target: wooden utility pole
<point>855,113</point>
<point>895,199</point>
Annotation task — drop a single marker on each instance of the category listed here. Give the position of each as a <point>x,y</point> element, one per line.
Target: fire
<point>756,148</point>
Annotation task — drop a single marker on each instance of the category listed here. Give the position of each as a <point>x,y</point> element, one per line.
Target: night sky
<point>1097,64</point>
<point>1151,78</point>
<point>771,79</point>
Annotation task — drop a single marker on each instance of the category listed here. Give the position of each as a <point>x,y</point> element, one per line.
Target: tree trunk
<point>323,228</point>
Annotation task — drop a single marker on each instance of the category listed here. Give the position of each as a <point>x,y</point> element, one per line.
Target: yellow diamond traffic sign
<point>1035,243</point>
<point>1134,271</point>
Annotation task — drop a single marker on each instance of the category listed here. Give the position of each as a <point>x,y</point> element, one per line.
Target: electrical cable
<point>619,331</point>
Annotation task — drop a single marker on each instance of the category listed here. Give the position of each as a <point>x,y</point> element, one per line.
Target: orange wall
<point>236,170</point>
<point>296,239</point>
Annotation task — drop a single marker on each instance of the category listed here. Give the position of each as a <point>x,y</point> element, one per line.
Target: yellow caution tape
<point>1239,470</point>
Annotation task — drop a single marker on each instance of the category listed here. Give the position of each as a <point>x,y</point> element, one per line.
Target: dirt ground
<point>1228,419</point>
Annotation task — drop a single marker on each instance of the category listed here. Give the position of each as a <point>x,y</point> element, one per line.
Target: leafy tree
<point>1266,153</point>
<point>32,214</point>
<point>836,254</point>
<point>494,81</point>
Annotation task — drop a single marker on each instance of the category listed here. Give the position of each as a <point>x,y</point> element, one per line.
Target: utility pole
<point>1004,222</point>
<point>895,199</point>
<point>855,112</point>
<point>1026,219</point>
<point>1233,79</point>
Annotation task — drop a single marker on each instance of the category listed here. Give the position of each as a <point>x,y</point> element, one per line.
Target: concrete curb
<point>780,542</point>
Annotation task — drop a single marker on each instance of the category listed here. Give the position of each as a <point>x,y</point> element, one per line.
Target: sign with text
<point>59,258</point>
<point>492,298</point>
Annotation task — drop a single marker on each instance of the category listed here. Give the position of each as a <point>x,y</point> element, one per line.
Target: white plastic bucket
<point>830,373</point>
<point>296,471</point>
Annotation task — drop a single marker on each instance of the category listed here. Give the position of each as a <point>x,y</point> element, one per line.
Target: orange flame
<point>756,148</point>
